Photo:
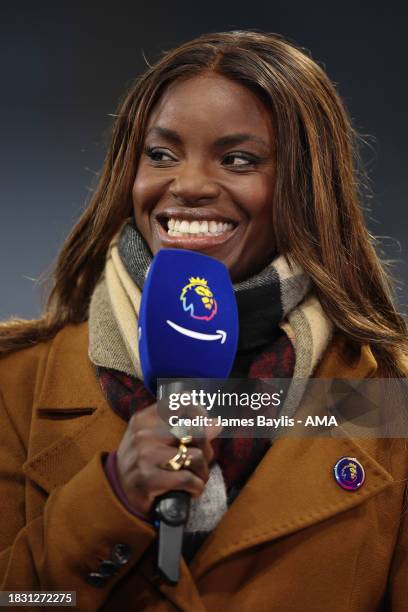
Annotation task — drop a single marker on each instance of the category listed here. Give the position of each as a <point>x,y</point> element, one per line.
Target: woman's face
<point>205,181</point>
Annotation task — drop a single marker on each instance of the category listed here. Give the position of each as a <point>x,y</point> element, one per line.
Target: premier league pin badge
<point>349,473</point>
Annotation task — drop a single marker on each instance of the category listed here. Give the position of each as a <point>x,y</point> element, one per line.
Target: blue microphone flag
<point>188,320</point>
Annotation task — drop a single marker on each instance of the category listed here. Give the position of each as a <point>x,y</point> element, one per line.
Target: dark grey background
<point>64,66</point>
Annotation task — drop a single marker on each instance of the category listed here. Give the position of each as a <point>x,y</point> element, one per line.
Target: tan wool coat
<point>292,540</point>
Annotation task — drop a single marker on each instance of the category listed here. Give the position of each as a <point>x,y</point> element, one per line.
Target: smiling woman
<point>237,145</point>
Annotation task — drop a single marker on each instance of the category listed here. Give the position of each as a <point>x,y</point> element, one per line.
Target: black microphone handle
<point>172,510</point>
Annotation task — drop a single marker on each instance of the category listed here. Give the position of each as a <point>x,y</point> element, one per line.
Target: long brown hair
<point>317,213</point>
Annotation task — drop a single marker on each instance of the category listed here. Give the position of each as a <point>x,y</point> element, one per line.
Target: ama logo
<point>198,299</point>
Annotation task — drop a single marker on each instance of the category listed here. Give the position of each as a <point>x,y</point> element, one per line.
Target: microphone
<point>188,328</point>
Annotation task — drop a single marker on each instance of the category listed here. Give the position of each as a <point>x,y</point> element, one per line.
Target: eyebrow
<point>229,139</point>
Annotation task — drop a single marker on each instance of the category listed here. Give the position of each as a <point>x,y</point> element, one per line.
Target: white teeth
<point>194,227</point>
<point>179,227</point>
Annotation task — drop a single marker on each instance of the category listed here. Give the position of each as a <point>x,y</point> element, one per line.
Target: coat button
<point>121,554</point>
<point>349,473</point>
<point>107,568</point>
<point>96,580</point>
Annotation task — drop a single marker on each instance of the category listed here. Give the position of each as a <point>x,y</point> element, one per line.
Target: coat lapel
<point>71,419</point>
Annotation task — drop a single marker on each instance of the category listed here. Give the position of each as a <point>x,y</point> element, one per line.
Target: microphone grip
<point>171,510</point>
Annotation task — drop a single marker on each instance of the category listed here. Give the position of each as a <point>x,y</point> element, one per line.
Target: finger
<point>159,434</point>
<point>184,480</point>
<point>204,441</point>
<point>213,431</point>
<point>197,463</point>
<point>159,456</point>
<point>208,427</point>
<point>149,424</point>
<point>149,482</point>
<point>148,418</point>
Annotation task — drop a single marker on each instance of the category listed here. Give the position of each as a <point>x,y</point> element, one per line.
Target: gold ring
<point>186,439</point>
<point>176,463</point>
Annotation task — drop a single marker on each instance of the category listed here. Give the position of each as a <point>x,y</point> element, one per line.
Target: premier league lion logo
<point>198,299</point>
<point>349,473</point>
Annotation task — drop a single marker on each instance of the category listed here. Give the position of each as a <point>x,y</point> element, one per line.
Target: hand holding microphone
<point>145,447</point>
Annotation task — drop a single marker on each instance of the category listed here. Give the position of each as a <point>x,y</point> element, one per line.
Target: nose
<point>193,186</point>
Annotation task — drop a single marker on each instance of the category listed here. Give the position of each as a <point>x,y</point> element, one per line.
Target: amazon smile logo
<point>220,334</point>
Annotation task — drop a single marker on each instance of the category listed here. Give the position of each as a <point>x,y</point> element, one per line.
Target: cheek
<point>256,198</point>
<point>146,191</point>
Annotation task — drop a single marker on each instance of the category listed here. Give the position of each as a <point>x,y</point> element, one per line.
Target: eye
<point>245,160</point>
<point>156,154</point>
